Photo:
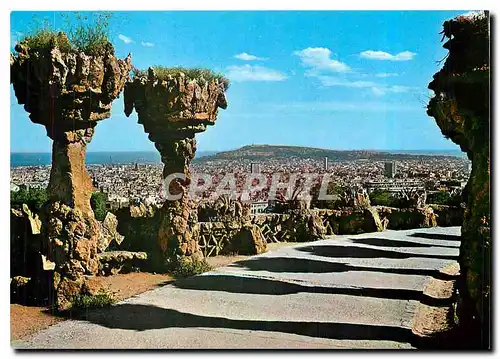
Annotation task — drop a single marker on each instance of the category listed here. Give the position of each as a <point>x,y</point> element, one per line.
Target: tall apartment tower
<point>326,164</point>
<point>254,167</point>
<point>390,169</point>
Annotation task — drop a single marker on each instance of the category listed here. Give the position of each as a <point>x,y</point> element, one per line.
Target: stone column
<point>173,109</point>
<point>68,92</point>
<point>461,110</point>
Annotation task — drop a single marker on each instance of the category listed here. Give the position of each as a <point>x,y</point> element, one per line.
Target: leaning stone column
<point>172,110</point>
<point>461,109</point>
<point>68,92</point>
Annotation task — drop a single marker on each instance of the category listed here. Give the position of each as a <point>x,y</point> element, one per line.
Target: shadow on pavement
<point>253,285</point>
<point>333,251</point>
<point>382,242</point>
<point>146,317</point>
<point>437,236</point>
<point>302,265</point>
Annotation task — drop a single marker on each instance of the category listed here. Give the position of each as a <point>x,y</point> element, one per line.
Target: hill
<point>262,152</point>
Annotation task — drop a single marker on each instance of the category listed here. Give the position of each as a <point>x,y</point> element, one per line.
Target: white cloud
<point>147,44</point>
<point>253,73</point>
<point>319,59</point>
<point>125,39</point>
<point>343,106</point>
<point>378,89</point>
<point>383,90</point>
<point>386,74</point>
<point>335,81</point>
<point>247,57</point>
<point>382,55</point>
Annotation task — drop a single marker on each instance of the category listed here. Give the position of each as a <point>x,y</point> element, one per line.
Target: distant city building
<point>14,187</point>
<point>254,167</point>
<point>326,164</point>
<point>390,169</point>
<point>258,207</point>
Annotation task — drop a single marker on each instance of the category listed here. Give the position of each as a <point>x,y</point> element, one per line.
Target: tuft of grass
<point>198,74</point>
<point>188,268</point>
<point>86,301</point>
<point>90,36</point>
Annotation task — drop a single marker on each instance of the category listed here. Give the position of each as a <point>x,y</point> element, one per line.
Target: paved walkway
<point>353,291</point>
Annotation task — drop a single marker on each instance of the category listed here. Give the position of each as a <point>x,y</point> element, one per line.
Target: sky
<point>328,79</point>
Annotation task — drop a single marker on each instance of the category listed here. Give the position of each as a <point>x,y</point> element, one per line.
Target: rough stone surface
<point>407,218</point>
<point>109,232</point>
<point>68,92</point>
<point>247,241</point>
<point>121,262</point>
<point>172,111</point>
<point>447,216</point>
<point>461,108</point>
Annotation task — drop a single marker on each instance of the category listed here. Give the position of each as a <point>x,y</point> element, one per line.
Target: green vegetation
<point>88,35</point>
<point>98,204</point>
<point>383,198</point>
<point>35,198</point>
<point>86,301</point>
<point>200,75</point>
<point>441,197</point>
<point>333,189</point>
<point>187,268</point>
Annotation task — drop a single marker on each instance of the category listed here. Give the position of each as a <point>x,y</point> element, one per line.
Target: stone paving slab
<point>335,293</point>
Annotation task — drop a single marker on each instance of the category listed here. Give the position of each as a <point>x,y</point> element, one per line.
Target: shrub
<point>98,204</point>
<point>441,197</point>
<point>87,301</point>
<point>35,198</point>
<point>383,198</point>
<point>186,268</point>
<point>88,35</point>
<point>200,75</point>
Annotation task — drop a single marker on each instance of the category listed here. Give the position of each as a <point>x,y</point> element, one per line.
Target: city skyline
<point>336,80</point>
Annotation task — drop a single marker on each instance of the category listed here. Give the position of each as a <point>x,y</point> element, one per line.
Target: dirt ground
<point>25,321</point>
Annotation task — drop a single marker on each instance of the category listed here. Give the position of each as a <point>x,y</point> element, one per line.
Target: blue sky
<point>340,80</point>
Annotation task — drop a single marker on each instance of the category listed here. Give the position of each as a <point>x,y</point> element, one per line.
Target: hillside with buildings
<point>263,152</point>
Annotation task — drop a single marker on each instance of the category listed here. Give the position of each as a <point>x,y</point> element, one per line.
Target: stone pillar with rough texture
<point>462,111</point>
<point>173,109</point>
<point>68,92</point>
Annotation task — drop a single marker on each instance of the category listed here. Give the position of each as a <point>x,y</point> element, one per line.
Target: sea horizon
<point>19,159</point>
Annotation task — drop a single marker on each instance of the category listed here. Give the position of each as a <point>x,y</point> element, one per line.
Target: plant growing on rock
<point>173,107</point>
<point>68,91</point>
<point>90,34</point>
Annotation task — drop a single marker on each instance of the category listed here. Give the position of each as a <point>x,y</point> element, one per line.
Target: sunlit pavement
<point>351,291</point>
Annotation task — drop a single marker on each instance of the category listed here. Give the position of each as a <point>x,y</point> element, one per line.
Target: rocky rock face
<point>121,262</point>
<point>109,232</point>
<point>249,240</point>
<point>461,110</point>
<point>448,215</point>
<point>172,110</point>
<point>407,218</point>
<point>26,258</point>
<point>68,92</point>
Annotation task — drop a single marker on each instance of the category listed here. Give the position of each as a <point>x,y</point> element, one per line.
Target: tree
<point>35,198</point>
<point>98,204</point>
